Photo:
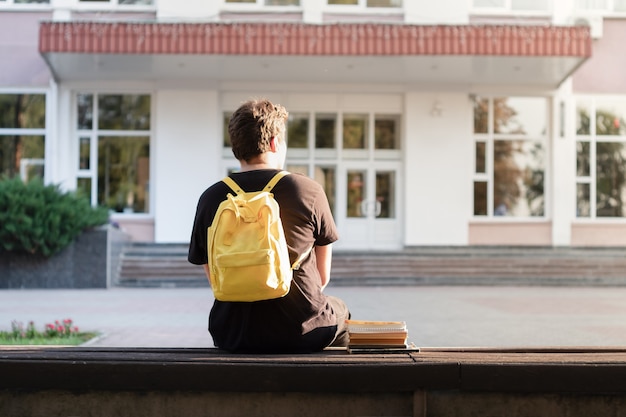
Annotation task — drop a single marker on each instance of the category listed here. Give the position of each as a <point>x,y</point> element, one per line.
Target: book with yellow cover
<point>377,334</point>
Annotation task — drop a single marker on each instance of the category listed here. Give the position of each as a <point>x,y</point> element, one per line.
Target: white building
<point>456,122</point>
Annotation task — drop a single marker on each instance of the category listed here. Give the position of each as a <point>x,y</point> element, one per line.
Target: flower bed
<point>60,332</point>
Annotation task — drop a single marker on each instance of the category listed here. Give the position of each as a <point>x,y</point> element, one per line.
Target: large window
<point>601,5</point>
<point>510,152</point>
<point>22,135</point>
<point>266,2</point>
<point>318,142</point>
<point>113,132</point>
<point>367,3</point>
<point>511,6</point>
<point>601,157</point>
<point>20,2</point>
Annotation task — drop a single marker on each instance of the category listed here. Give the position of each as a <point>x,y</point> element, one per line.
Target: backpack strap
<point>275,180</point>
<point>237,189</point>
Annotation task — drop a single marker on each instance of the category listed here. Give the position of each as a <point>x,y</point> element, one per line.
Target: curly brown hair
<point>253,125</point>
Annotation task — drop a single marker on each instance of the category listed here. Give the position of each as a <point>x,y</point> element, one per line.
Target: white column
<point>563,170</point>
<point>61,148</point>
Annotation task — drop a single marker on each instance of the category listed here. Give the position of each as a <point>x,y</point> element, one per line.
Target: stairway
<point>158,265</point>
<point>165,265</point>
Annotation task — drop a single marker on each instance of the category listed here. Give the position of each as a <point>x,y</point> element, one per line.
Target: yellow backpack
<point>248,255</point>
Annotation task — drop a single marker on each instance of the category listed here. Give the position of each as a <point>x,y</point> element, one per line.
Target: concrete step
<point>166,265</point>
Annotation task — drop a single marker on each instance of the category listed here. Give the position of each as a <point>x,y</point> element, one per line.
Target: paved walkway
<point>436,316</point>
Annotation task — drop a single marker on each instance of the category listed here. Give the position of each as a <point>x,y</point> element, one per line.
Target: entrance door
<point>369,209</point>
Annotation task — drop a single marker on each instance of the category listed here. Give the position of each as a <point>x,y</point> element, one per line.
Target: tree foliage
<point>41,219</point>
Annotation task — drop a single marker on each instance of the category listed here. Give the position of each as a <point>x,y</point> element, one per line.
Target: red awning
<point>307,39</point>
<point>370,53</point>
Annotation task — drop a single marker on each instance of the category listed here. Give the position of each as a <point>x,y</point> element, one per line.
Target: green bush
<point>41,219</point>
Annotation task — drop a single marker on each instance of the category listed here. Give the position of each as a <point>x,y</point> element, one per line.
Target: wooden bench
<point>207,382</point>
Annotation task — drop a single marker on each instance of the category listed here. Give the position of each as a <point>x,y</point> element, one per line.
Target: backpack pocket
<point>252,276</point>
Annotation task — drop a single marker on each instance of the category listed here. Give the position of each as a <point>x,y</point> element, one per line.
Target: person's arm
<point>207,271</point>
<point>324,257</point>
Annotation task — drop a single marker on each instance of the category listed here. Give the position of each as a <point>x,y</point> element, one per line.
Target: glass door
<point>370,218</point>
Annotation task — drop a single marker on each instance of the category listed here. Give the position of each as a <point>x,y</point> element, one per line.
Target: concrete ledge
<point>432,382</point>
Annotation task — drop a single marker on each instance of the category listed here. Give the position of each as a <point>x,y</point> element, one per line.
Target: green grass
<point>58,333</point>
<point>7,338</point>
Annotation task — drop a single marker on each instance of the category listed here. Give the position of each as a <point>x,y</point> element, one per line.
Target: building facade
<point>457,122</point>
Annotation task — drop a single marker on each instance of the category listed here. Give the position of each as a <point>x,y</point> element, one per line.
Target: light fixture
<point>437,109</point>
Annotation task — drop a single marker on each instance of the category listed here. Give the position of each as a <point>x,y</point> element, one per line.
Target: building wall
<point>603,73</point>
<point>187,158</point>
<point>602,76</point>
<point>20,62</point>
<point>439,151</point>
<point>187,153</point>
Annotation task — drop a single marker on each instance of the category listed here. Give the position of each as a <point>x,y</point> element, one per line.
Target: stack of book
<point>377,334</point>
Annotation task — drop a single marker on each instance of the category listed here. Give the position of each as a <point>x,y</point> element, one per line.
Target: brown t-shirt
<point>303,320</point>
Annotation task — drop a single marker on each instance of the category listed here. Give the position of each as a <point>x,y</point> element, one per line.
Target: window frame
<point>95,133</point>
<point>508,10</point>
<point>488,175</point>
<point>258,5</point>
<point>11,4</point>
<point>80,5</point>
<point>608,9</point>
<point>44,131</point>
<point>361,6</point>
<point>592,139</point>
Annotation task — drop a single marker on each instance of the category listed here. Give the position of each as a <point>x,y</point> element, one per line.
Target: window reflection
<point>225,120</point>
<point>480,162</point>
<point>583,200</point>
<point>83,188</point>
<point>583,126</point>
<point>282,2</point>
<point>386,132</point>
<point>610,179</point>
<point>356,194</point>
<point>85,111</point>
<point>610,118</point>
<point>23,111</point>
<point>384,3</point>
<point>481,115</point>
<point>120,172</point>
<point>520,116</point>
<point>509,181</point>
<point>22,156</point>
<point>385,201</point>
<point>124,173</point>
<point>124,112</point>
<point>325,176</point>
<point>84,153</point>
<point>325,125</point>
<point>354,131</point>
<point>298,130</point>
<point>518,178</point>
<point>583,159</point>
<point>480,198</point>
